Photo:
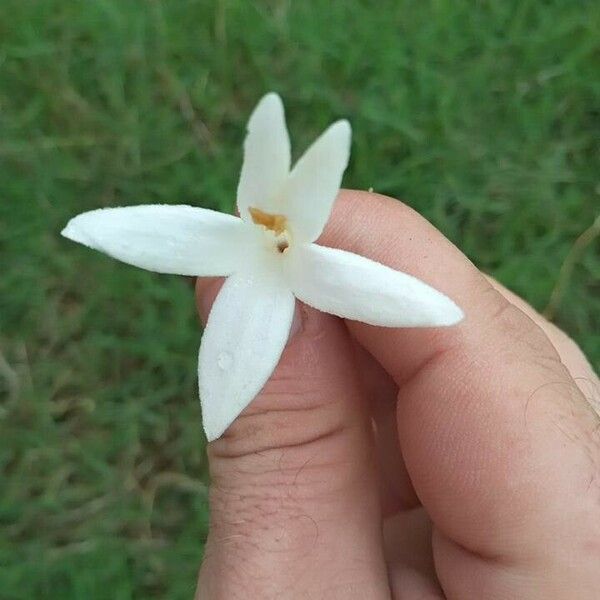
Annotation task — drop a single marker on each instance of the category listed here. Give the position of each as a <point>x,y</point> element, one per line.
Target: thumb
<point>294,505</point>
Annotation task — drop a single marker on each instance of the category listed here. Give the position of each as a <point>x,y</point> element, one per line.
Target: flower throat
<point>275,223</point>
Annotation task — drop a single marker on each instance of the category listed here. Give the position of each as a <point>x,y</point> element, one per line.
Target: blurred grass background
<point>483,115</point>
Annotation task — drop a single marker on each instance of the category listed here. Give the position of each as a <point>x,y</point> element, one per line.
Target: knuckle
<point>518,338</point>
<point>305,452</point>
<point>272,429</point>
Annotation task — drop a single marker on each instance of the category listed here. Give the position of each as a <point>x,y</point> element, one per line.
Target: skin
<point>459,462</point>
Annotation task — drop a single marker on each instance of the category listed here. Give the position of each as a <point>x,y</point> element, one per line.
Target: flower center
<point>277,224</point>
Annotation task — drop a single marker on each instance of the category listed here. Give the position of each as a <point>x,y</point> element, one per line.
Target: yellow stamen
<point>276,223</point>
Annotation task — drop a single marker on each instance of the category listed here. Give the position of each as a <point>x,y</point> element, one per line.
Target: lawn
<point>483,115</point>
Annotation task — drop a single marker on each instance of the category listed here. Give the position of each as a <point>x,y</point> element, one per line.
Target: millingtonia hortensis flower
<point>269,256</point>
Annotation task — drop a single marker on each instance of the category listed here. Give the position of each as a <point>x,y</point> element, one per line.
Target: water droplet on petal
<point>224,360</point>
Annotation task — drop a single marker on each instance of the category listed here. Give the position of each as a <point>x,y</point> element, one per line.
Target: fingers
<point>499,442</point>
<point>294,503</point>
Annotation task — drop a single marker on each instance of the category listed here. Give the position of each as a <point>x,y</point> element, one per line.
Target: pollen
<point>275,223</point>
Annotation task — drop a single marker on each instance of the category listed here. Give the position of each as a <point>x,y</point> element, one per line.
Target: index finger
<point>501,446</point>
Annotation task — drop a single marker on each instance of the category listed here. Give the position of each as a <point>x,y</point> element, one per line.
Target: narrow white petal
<point>165,238</point>
<point>245,335</point>
<point>354,287</point>
<point>315,181</point>
<point>266,158</point>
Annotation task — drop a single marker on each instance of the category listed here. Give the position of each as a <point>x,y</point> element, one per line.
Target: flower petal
<point>266,158</point>
<point>354,287</point>
<point>165,238</point>
<point>243,340</point>
<point>315,181</point>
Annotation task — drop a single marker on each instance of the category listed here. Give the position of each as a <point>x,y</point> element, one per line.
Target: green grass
<point>483,115</point>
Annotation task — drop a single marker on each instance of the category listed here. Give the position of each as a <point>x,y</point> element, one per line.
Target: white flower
<point>269,257</point>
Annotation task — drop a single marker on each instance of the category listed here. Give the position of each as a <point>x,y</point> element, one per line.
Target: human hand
<point>480,479</point>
